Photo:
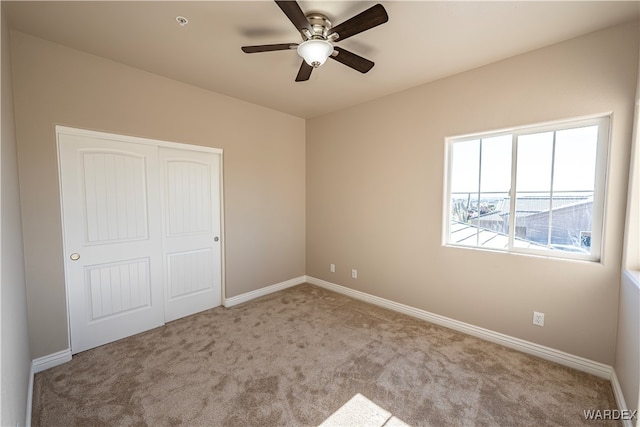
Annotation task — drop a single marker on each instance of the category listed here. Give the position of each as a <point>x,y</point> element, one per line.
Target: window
<point>537,190</point>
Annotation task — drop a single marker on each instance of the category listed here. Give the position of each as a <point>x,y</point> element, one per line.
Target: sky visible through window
<point>575,160</point>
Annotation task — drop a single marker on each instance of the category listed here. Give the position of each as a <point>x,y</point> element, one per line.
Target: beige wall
<point>631,254</point>
<point>627,362</point>
<point>264,181</point>
<point>375,194</point>
<point>16,361</point>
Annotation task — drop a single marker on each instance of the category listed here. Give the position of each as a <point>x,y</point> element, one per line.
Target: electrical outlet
<point>538,318</point>
<point>332,268</point>
<point>354,274</point>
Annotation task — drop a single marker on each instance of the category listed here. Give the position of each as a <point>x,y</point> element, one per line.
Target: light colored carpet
<point>296,357</point>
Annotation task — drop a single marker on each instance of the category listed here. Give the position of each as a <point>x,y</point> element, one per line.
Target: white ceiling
<point>423,41</point>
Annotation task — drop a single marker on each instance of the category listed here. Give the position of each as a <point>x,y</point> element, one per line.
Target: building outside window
<point>537,189</point>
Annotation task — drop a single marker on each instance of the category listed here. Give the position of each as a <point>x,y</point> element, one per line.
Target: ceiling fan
<point>319,35</point>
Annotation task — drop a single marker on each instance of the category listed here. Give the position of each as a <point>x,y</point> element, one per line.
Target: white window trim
<point>599,199</point>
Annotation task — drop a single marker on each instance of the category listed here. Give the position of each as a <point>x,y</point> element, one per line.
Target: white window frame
<point>599,191</point>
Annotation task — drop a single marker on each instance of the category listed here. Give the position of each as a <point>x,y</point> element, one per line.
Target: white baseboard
<point>41,364</point>
<point>622,404</point>
<point>560,357</point>
<point>239,299</point>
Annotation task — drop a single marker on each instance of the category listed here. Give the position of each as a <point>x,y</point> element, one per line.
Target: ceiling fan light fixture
<point>315,51</point>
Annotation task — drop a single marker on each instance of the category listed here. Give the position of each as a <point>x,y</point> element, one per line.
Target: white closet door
<point>191,225</point>
<point>112,238</point>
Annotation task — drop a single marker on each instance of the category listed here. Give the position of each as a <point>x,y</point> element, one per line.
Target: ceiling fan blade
<point>268,47</point>
<point>352,60</point>
<point>364,21</point>
<point>295,14</point>
<point>304,73</point>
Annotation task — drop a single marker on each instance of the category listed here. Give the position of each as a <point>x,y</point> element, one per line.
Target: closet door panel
<point>112,238</point>
<point>192,225</point>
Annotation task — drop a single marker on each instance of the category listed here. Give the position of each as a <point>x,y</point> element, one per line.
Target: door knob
<point>215,239</point>
<point>75,256</point>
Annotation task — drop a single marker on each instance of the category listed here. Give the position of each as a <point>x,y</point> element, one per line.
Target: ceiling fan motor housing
<point>320,25</point>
